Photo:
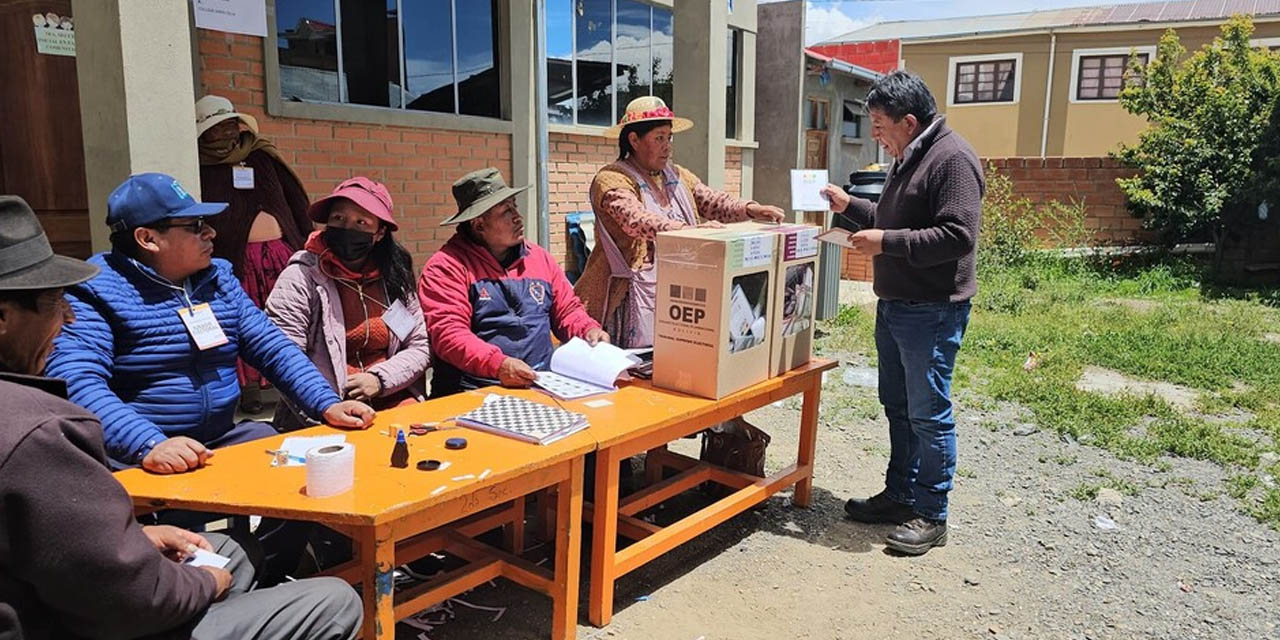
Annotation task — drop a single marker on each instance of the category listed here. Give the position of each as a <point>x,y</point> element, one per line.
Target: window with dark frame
<point>424,55</point>
<point>851,127</point>
<point>818,114</point>
<point>985,81</point>
<point>733,59</point>
<point>1102,77</point>
<point>601,54</point>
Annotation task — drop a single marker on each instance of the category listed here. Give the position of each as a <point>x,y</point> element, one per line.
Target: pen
<point>287,456</point>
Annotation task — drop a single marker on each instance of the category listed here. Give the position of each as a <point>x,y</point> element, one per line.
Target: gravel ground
<point>1031,555</point>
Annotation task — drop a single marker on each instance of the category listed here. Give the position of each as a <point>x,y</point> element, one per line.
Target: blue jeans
<point>917,343</point>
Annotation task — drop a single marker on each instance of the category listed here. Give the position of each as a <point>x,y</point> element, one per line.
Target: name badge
<point>399,320</point>
<point>242,177</point>
<point>202,326</point>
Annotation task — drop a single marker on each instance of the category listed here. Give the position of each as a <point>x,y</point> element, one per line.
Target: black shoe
<point>878,509</point>
<point>918,535</point>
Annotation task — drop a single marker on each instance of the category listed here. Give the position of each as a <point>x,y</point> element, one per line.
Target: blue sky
<point>827,19</point>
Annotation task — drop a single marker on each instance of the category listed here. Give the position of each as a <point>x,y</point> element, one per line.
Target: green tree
<point>1213,118</point>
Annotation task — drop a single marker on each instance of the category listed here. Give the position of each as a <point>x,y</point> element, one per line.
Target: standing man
<point>922,237</point>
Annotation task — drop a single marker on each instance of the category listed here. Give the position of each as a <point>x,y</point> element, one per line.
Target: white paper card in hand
<point>242,177</point>
<point>202,326</point>
<point>806,190</point>
<point>399,320</point>
<point>837,236</point>
<point>202,558</point>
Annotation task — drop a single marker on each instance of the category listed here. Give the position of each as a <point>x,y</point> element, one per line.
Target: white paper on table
<point>297,446</point>
<point>579,369</point>
<point>806,190</point>
<point>837,236</point>
<point>202,558</point>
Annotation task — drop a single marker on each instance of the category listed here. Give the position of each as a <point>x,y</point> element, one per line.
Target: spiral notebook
<point>523,420</point>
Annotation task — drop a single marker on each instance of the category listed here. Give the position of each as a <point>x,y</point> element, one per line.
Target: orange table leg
<point>513,533</point>
<point>808,440</point>
<point>377,551</point>
<point>604,538</point>
<point>564,618</point>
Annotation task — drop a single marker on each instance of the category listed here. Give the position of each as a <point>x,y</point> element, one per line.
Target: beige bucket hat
<point>211,109</point>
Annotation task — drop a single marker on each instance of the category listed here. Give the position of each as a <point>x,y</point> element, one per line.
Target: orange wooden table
<point>393,516</point>
<point>642,419</point>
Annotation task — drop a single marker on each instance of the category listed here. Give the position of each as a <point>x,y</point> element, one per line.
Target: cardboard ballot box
<point>714,312</point>
<point>796,284</point>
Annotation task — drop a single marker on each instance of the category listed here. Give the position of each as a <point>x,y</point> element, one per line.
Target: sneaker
<point>878,509</point>
<point>918,535</point>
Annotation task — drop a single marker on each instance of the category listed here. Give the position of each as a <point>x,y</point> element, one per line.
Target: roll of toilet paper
<point>331,469</point>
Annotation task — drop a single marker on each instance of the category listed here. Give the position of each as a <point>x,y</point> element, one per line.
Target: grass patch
<point>1151,321</point>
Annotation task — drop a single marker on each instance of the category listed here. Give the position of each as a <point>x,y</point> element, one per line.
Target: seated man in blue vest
<point>153,351</point>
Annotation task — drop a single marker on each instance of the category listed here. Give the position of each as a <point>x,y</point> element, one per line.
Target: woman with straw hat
<point>636,197</point>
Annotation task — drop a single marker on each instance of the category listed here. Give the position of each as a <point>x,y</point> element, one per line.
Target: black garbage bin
<point>863,184</point>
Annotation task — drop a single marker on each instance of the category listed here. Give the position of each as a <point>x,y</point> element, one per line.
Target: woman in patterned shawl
<point>635,198</point>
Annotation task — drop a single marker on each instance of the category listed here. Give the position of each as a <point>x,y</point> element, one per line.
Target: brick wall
<point>1088,180</point>
<point>1091,181</point>
<point>418,165</point>
<point>733,170</point>
<point>572,164</point>
<point>879,56</point>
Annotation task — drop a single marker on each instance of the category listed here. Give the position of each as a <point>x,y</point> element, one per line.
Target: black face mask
<point>349,245</point>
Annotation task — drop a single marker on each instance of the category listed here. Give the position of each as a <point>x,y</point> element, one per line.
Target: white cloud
<point>824,22</point>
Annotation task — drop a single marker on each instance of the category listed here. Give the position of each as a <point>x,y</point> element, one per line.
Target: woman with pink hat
<point>348,300</point>
<point>634,199</point>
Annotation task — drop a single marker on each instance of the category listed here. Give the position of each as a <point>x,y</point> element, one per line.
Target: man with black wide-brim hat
<point>491,299</point>
<point>73,561</point>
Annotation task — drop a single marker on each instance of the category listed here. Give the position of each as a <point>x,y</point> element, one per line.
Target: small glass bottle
<point>400,453</point>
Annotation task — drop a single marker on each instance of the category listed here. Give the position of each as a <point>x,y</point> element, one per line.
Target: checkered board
<point>524,420</point>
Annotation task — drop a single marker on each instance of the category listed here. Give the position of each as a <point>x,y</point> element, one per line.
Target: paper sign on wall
<point>55,34</point>
<point>248,17</point>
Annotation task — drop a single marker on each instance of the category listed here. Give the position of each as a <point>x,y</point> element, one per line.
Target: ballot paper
<point>579,369</point>
<point>806,190</point>
<point>202,558</point>
<point>837,237</point>
<point>297,446</point>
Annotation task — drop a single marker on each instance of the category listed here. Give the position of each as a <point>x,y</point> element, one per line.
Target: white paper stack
<point>579,369</point>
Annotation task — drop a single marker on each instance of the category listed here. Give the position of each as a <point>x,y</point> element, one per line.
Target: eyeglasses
<point>196,226</point>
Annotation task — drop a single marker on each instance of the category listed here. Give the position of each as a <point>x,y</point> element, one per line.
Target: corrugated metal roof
<point>844,66</point>
<point>1186,10</point>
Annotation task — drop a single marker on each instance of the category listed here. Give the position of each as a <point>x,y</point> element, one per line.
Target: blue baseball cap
<point>147,198</point>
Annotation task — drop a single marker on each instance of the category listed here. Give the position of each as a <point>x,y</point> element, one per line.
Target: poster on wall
<point>55,34</point>
<point>248,17</point>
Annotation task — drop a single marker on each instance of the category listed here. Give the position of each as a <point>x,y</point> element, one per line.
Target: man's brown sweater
<point>73,561</point>
<point>931,210</point>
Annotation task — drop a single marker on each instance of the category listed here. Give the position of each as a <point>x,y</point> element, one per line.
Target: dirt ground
<point>1031,555</point>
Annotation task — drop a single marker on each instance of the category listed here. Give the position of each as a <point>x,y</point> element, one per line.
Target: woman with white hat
<point>635,198</point>
<point>266,220</point>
